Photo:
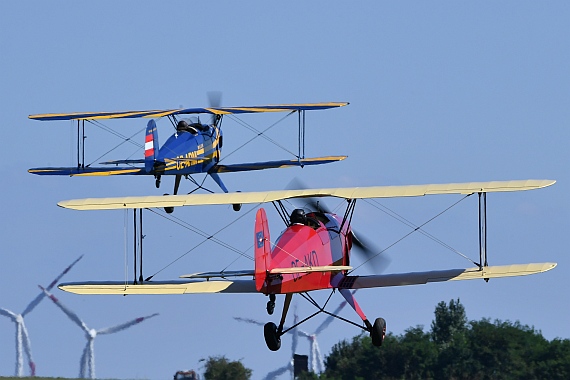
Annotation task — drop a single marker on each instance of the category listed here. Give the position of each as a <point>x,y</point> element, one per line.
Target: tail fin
<point>262,247</point>
<point>150,145</point>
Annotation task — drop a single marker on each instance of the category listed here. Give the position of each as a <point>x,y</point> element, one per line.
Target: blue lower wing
<point>274,164</point>
<point>89,171</point>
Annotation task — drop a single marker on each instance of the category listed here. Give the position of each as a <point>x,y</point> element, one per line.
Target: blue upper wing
<point>182,111</point>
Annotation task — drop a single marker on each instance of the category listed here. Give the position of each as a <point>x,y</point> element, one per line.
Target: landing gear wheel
<point>236,206</point>
<point>271,304</point>
<point>272,337</point>
<point>157,182</point>
<point>169,210</point>
<point>378,332</point>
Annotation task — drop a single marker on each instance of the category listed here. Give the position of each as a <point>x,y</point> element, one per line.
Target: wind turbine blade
<point>253,321</point>
<point>114,329</point>
<point>295,339</point>
<point>278,372</point>
<point>28,349</point>
<point>67,311</point>
<point>319,358</point>
<point>9,314</point>
<point>19,355</point>
<point>328,320</point>
<point>83,361</point>
<point>40,296</point>
<point>91,357</point>
<point>249,320</point>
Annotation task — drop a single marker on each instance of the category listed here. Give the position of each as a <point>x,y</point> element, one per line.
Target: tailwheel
<point>378,332</point>
<point>157,182</point>
<point>272,336</point>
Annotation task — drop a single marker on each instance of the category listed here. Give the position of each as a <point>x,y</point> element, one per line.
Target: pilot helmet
<point>182,125</point>
<point>298,217</point>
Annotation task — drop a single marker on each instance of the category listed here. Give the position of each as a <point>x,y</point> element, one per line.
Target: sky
<point>439,92</point>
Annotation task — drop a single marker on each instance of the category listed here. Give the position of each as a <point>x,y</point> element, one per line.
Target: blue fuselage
<point>187,153</point>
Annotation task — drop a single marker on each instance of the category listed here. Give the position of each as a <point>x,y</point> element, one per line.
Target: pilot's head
<point>182,126</point>
<point>298,217</point>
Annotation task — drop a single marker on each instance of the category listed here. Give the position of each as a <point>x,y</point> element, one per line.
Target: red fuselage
<point>319,243</point>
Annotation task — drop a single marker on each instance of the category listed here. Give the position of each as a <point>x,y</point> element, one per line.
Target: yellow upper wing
<point>270,196</point>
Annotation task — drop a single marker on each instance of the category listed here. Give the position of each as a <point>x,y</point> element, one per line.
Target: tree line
<point>454,348</point>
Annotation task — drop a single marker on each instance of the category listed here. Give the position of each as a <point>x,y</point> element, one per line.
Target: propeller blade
<point>123,326</point>
<point>215,101</point>
<point>374,255</point>
<point>67,311</point>
<point>40,296</point>
<point>311,203</point>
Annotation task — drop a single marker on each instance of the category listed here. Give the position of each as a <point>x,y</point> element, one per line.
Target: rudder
<point>262,249</point>
<point>150,145</point>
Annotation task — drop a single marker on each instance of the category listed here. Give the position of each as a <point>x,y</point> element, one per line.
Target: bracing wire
<point>419,229</point>
<point>258,134</point>
<point>208,237</point>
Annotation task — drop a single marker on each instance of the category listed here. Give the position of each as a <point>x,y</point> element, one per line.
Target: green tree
<point>220,368</point>
<point>453,349</point>
<point>449,321</point>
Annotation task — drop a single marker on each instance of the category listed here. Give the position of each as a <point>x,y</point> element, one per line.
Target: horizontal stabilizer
<point>223,274</point>
<point>417,278</point>
<point>89,171</point>
<point>274,164</point>
<point>271,196</point>
<point>327,268</point>
<point>161,287</point>
<point>123,162</point>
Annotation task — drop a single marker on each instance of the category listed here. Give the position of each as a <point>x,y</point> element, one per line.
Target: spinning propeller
<point>373,255</point>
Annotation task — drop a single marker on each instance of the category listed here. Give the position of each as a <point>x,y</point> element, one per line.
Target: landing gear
<point>236,206</point>
<point>168,210</point>
<point>271,304</point>
<point>272,336</point>
<point>378,332</point>
<point>157,182</point>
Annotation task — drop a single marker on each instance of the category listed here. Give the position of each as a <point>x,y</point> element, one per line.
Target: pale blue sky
<point>439,91</point>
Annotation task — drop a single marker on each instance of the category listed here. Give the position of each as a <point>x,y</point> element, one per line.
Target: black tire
<point>169,210</point>
<point>236,206</point>
<point>272,338</point>
<point>378,332</point>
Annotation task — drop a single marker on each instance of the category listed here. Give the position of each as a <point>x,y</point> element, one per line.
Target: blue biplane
<point>193,148</point>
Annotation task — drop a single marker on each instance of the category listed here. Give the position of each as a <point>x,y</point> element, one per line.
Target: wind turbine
<point>23,344</point>
<point>87,363</point>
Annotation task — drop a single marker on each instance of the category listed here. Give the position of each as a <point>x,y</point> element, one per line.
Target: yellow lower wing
<point>349,282</point>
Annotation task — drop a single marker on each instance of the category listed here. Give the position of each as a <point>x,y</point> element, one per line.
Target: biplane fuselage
<point>324,241</point>
<point>189,153</point>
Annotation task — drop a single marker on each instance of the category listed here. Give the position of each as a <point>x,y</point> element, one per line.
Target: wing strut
<point>483,231</point>
<point>138,246</point>
<point>301,135</point>
<point>80,143</point>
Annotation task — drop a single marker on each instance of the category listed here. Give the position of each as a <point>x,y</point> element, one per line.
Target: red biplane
<point>313,253</point>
